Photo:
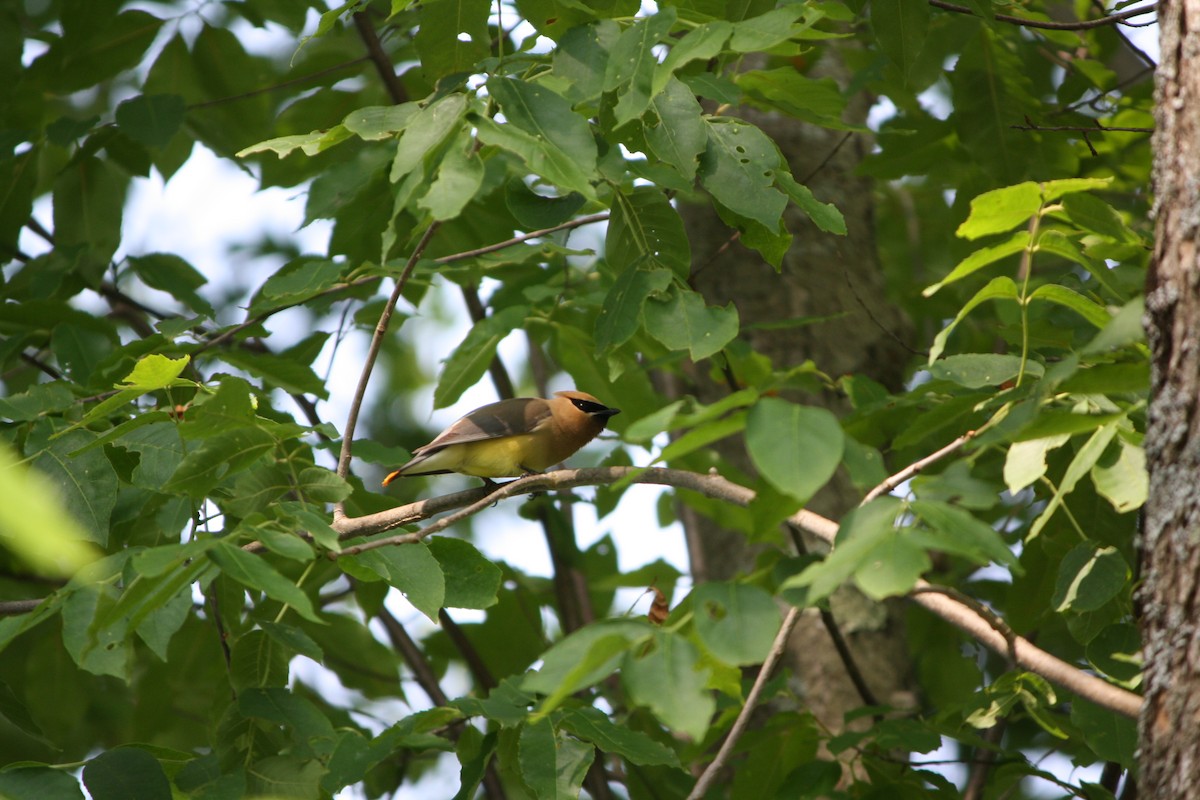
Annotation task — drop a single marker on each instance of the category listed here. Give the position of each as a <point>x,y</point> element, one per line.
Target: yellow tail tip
<point>391,477</point>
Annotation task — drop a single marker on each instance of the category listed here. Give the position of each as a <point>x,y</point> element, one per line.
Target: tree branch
<point>915,467</point>
<point>1081,25</point>
<point>1025,653</point>
<point>373,353</point>
<point>739,725</point>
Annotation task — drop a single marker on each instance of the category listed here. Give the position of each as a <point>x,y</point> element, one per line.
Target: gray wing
<point>493,421</point>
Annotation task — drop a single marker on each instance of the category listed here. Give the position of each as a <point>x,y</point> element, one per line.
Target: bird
<point>511,438</point>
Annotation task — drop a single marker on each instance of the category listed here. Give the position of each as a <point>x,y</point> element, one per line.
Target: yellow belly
<point>507,457</point>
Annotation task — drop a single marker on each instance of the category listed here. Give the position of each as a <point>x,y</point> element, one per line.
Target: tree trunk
<point>1169,599</point>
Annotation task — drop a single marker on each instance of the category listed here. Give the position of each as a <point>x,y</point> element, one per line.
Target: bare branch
<point>372,354</point>
<point>743,719</point>
<point>1081,25</point>
<point>1026,654</point>
<point>915,467</point>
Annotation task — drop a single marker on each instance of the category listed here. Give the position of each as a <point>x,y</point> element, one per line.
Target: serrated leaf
<point>218,457</point>
<point>985,256</point>
<point>427,129</point>
<point>631,64</point>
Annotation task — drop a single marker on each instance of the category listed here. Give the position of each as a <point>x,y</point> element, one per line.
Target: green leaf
<point>28,782</point>
<point>815,100</point>
<point>796,448</point>
<point>426,131</point>
<point>35,524</point>
<point>701,43</point>
<point>472,581</point>
<point>594,726</point>
<point>1112,737</point>
<point>581,59</point>
<point>679,135</point>
<point>175,276</point>
<point>1093,312</point>
<point>765,31</point>
<point>900,28</point>
<point>861,531</point>
<point>824,215</point>
<point>1093,214</point>
<point>631,65</point>
<point>1052,190</point>
<point>1025,461</point>
<point>982,369</point>
<point>217,458</point>
<point>1088,578</point>
<point>1001,210</point>
<point>1123,480</point>
<point>452,36</point>
<point>539,768</point>
<point>413,570</point>
<point>584,657</point>
<point>1002,288</point>
<point>736,622</point>
<point>86,489</point>
<point>564,150</point>
<point>960,532</point>
<point>685,322</point>
<point>666,676</point>
<point>466,365</point>
<point>253,571</point>
<point>459,176</point>
<point>985,256</point>
<point>89,196</point>
<point>702,435</point>
<point>893,566</point>
<point>1083,462</point>
<point>151,119</point>
<point>278,705</point>
<point>258,661</point>
<point>535,211</point>
<point>646,231</point>
<point>739,169</point>
<point>1117,652</point>
<point>127,773</point>
<point>621,314</point>
<point>374,123</point>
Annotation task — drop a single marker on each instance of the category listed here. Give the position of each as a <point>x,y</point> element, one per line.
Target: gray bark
<point>1169,598</point>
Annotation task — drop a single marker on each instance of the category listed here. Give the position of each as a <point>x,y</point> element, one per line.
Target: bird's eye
<point>587,406</point>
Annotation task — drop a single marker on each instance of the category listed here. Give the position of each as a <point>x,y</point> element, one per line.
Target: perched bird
<point>511,438</point>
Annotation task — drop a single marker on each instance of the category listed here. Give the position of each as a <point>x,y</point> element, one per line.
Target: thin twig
<point>491,248</point>
<point>1026,654</point>
<point>380,58</point>
<point>277,86</point>
<point>1097,128</point>
<point>912,469</point>
<point>13,608</point>
<point>479,670</point>
<point>373,353</point>
<point>410,651</point>
<point>743,719</point>
<point>1081,25</point>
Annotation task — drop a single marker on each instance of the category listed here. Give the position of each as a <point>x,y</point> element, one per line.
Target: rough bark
<point>1169,599</point>
<point>821,275</point>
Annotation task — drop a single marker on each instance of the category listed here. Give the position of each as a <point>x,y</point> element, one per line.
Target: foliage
<point>170,509</point>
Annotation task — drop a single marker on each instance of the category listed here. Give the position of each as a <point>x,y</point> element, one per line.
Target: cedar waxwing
<point>511,438</point>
